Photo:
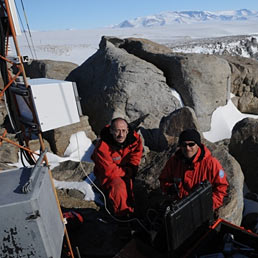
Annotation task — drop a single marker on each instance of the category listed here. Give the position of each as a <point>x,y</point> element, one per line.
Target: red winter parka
<point>116,160</point>
<point>187,175</point>
<point>115,167</point>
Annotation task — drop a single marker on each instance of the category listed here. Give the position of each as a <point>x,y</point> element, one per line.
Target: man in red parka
<point>117,156</point>
<point>191,165</point>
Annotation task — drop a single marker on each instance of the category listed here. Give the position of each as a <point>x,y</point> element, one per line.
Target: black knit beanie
<point>190,135</point>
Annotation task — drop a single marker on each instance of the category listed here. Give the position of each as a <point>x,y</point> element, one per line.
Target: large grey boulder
<point>115,83</point>
<point>202,83</point>
<point>48,69</point>
<point>234,203</point>
<point>244,83</point>
<point>201,80</point>
<point>179,120</point>
<point>159,139</point>
<point>244,147</point>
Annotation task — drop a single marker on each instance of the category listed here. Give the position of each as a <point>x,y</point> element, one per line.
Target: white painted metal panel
<point>14,17</point>
<point>54,102</point>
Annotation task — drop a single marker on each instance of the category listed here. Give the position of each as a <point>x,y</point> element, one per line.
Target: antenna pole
<point>13,33</point>
<point>22,71</point>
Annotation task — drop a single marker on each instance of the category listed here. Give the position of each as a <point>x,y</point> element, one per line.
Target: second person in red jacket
<point>117,156</point>
<point>191,165</point>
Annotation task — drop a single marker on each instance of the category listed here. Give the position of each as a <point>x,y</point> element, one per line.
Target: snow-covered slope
<point>188,17</point>
<point>78,45</point>
<point>240,45</point>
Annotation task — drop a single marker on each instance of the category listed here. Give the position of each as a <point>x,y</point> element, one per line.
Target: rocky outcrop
<point>244,147</point>
<point>244,83</point>
<point>134,77</point>
<point>202,82</point>
<point>196,77</point>
<point>48,69</point>
<point>237,45</point>
<point>113,82</point>
<point>159,139</point>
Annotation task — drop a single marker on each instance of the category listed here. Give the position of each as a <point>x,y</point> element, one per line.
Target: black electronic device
<point>183,218</point>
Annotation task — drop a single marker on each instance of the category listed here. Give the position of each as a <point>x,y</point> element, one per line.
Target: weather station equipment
<point>31,223</point>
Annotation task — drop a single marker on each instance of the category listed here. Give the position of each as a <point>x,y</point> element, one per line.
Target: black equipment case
<point>190,231</point>
<point>183,218</point>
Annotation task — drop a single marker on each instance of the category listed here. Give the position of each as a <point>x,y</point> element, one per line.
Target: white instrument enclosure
<point>54,101</point>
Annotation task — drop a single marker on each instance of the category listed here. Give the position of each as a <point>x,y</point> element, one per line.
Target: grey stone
<point>244,147</point>
<point>244,79</point>
<point>8,151</point>
<point>72,171</point>
<point>248,103</point>
<point>196,77</point>
<point>177,121</point>
<point>48,69</point>
<point>115,82</point>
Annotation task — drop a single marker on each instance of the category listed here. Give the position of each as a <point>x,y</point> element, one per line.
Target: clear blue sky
<point>86,14</point>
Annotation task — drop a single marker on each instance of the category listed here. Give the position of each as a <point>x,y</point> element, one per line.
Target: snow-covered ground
<point>78,45</point>
<point>223,120</point>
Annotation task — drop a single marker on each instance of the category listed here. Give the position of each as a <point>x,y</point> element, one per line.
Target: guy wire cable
<point>27,23</point>
<point>25,34</point>
<point>104,197</point>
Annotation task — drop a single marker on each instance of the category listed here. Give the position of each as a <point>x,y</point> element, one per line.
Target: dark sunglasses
<point>190,144</point>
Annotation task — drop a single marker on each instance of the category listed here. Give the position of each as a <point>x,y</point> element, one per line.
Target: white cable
<point>104,197</point>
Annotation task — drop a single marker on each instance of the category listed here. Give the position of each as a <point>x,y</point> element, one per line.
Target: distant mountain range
<point>187,17</point>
